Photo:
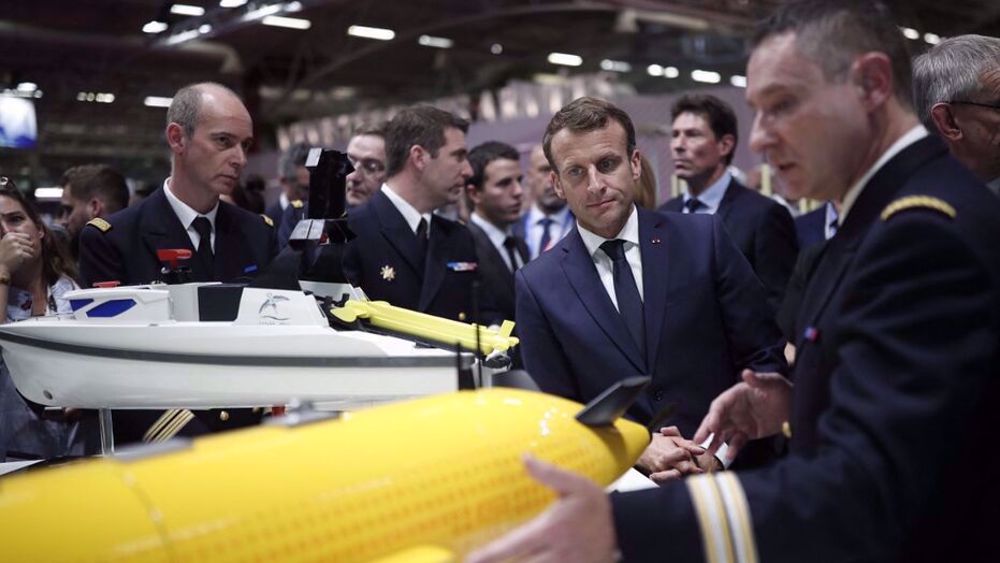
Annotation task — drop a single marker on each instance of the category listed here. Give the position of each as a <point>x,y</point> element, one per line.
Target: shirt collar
<point>629,233</point>
<point>712,196</point>
<point>535,214</point>
<point>828,218</point>
<point>184,212</point>
<point>912,136</point>
<point>283,200</point>
<point>994,185</point>
<point>496,236</point>
<point>409,213</point>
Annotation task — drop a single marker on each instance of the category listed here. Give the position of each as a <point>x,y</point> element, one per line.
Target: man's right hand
<point>751,409</point>
<point>669,456</point>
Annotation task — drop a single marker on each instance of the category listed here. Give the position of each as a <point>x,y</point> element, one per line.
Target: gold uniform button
<point>786,429</point>
<point>461,316</point>
<point>223,415</point>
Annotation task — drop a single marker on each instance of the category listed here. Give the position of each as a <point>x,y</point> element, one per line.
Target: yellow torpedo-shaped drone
<point>422,481</point>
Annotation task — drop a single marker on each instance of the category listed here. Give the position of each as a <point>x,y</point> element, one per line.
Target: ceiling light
<point>27,87</point>
<point>738,80</point>
<point>290,23</point>
<point>431,41</point>
<point>294,6</point>
<point>565,59</point>
<point>204,28</point>
<point>154,27</point>
<point>910,33</point>
<point>496,48</point>
<point>187,10</point>
<point>231,3</point>
<point>157,102</point>
<point>262,12</point>
<point>48,193</point>
<point>379,33</point>
<point>654,70</point>
<point>615,66</point>
<point>932,38</point>
<point>671,72</point>
<point>706,76</point>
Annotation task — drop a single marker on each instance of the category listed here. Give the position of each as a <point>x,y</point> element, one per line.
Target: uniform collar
<point>409,213</point>
<point>184,212</point>
<point>912,136</point>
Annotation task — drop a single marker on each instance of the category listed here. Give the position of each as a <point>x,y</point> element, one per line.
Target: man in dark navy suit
<point>633,292</point>
<point>704,140</point>
<point>893,409</point>
<point>208,131</point>
<point>404,253</point>
<point>495,193</point>
<point>293,176</point>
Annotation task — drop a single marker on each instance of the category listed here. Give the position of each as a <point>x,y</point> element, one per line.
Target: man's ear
<point>557,184</point>
<point>636,163</point>
<point>176,138</point>
<point>944,120</point>
<point>872,73</point>
<point>473,194</point>
<point>727,144</point>
<point>418,157</point>
<point>95,207</point>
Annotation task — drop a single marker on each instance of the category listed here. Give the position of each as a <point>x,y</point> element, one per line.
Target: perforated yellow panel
<point>444,471</point>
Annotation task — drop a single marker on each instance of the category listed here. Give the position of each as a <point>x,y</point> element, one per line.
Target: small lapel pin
<point>388,273</point>
<point>655,241</point>
<point>811,334</point>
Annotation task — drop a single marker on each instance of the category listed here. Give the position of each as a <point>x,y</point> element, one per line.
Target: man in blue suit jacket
<point>704,140</point>
<point>700,315</point>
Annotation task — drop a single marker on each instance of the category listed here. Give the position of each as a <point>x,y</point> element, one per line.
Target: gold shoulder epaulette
<point>296,203</point>
<point>918,202</point>
<point>101,224</point>
<point>268,220</point>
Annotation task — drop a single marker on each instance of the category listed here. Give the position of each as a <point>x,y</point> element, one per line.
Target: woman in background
<point>35,274</point>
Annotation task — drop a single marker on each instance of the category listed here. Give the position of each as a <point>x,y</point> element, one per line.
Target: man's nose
<point>760,136</point>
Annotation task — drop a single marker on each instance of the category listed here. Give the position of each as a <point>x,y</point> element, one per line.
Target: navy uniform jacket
<point>275,212</point>
<point>244,245</point>
<point>896,386</point>
<point>384,261</point>
<point>764,232</point>
<point>290,217</point>
<point>705,315</point>
<point>811,227</point>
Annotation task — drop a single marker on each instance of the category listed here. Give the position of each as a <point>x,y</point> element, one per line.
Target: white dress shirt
<point>497,238</point>
<point>187,215</point>
<point>605,267</point>
<point>409,213</point>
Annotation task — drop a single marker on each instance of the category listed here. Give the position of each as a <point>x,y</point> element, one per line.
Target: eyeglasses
<point>367,165</point>
<point>980,104</point>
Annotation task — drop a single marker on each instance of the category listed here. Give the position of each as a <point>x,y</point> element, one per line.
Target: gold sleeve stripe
<point>711,518</point>
<point>738,511</point>
<point>174,427</point>
<point>167,426</point>
<point>164,419</point>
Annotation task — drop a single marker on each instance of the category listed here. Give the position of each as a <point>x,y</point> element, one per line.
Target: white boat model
<point>211,345</point>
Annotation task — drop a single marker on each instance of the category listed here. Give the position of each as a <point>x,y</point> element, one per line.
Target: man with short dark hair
<point>548,219</point>
<point>703,142</point>
<point>635,292</point>
<point>404,253</point>
<point>209,132</point>
<point>956,84</point>
<point>495,191</point>
<point>89,191</point>
<point>896,382</point>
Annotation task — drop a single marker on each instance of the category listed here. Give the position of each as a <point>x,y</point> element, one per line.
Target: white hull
<point>72,363</point>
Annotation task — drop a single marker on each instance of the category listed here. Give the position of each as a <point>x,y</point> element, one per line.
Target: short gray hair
<point>186,105</point>
<point>951,70</point>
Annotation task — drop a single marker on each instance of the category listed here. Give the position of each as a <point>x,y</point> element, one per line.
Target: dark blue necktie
<point>510,243</point>
<point>203,227</point>
<point>694,204</point>
<point>627,292</point>
<point>546,224</point>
